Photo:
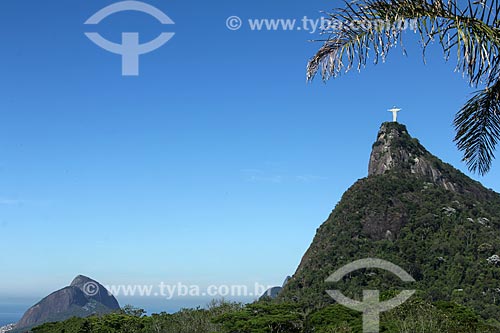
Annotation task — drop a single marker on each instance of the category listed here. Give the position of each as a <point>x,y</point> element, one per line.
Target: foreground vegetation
<point>443,230</point>
<point>269,317</point>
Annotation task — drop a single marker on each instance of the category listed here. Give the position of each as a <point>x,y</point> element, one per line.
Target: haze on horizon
<point>214,166</point>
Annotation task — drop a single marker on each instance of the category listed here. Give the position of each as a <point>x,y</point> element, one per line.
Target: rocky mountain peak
<point>96,291</point>
<point>396,151</point>
<point>80,281</point>
<point>415,211</point>
<point>83,298</point>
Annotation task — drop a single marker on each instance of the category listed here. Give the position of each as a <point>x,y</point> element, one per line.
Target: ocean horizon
<point>9,318</point>
<point>12,309</point>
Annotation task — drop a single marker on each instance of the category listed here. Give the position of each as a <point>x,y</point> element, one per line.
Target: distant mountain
<point>83,298</point>
<point>417,212</point>
<point>100,294</point>
<point>274,292</point>
<point>271,293</point>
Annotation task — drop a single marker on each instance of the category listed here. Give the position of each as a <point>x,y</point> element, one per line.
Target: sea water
<point>11,313</point>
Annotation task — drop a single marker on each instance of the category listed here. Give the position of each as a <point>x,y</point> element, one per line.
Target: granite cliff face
<point>395,150</point>
<point>97,292</point>
<point>273,292</point>
<point>418,212</point>
<point>83,298</point>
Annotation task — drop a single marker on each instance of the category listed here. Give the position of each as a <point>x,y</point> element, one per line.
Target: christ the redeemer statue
<point>394,111</point>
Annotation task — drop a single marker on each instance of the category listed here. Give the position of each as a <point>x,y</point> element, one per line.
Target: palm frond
<point>472,31</point>
<point>478,128</point>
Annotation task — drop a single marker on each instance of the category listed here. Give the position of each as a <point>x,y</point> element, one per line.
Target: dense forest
<point>271,317</point>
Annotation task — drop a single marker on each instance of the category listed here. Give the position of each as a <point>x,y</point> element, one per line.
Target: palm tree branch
<point>478,128</point>
<point>452,26</point>
<point>472,32</point>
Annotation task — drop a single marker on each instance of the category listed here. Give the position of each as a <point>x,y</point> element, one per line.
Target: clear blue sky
<point>216,165</point>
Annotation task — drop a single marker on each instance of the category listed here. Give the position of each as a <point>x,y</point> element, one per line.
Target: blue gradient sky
<point>216,165</point>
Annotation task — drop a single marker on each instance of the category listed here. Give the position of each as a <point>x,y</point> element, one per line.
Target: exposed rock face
<point>274,291</point>
<point>271,293</point>
<point>101,294</point>
<point>56,303</point>
<point>415,211</point>
<point>83,298</point>
<point>396,150</point>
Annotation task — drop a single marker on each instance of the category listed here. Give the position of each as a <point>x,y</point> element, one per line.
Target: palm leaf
<point>472,32</point>
<point>478,128</point>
